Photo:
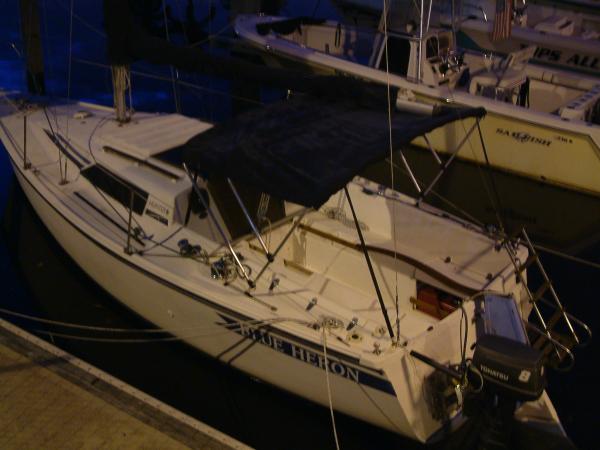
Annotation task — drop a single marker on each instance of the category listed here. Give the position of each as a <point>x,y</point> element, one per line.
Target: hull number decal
<point>523,137</point>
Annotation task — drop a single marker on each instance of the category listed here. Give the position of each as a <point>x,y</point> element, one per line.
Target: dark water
<point>38,278</point>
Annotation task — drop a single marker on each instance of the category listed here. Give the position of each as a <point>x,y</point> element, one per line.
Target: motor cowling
<point>510,368</point>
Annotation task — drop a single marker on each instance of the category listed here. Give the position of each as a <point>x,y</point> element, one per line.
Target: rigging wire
<point>564,255</point>
<point>81,19</point>
<point>446,201</point>
<point>317,5</point>
<point>480,171</point>
<point>75,326</point>
<point>497,202</point>
<point>498,205</point>
<point>228,328</point>
<point>209,6</point>
<point>391,158</point>
<point>54,134</point>
<point>335,434</point>
<point>181,83</point>
<point>162,241</point>
<point>478,222</point>
<point>47,57</point>
<point>98,190</point>
<point>174,72</point>
<point>70,62</point>
<point>69,70</point>
<point>101,33</point>
<point>132,340</point>
<point>463,343</point>
<point>183,24</point>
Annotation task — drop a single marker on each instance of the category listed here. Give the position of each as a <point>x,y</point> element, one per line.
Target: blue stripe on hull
<point>335,365</point>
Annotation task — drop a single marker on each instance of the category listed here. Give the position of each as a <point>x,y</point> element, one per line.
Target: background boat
<point>540,123</point>
<point>567,34</point>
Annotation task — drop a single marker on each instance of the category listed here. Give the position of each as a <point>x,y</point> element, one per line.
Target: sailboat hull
<point>291,364</point>
<point>312,354</point>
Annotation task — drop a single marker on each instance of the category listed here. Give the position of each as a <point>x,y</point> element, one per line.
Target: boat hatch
<point>434,301</point>
<point>146,137</point>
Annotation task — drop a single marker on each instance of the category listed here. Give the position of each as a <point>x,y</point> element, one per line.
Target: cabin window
<point>116,187</point>
<point>398,55</point>
<point>506,95</point>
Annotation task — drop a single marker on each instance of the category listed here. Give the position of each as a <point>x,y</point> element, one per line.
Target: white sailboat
<point>541,123</point>
<point>155,208</point>
<point>107,196</point>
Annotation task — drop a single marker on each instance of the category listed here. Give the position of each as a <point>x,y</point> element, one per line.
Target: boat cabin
<point>440,64</point>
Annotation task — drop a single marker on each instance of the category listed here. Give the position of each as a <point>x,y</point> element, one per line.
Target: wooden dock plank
<point>42,410</point>
<point>50,399</point>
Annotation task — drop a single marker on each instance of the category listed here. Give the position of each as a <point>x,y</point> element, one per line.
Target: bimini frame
<point>271,256</point>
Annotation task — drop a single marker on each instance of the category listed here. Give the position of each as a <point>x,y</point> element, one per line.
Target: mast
<point>32,44</point>
<point>121,79</point>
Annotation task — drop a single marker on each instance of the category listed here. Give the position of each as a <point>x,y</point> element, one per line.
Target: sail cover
<point>305,150</point>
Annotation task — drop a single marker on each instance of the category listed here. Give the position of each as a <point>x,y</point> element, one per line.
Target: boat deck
<point>50,399</point>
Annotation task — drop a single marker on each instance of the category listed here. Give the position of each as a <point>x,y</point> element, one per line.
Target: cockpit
<point>440,63</point>
<point>503,79</point>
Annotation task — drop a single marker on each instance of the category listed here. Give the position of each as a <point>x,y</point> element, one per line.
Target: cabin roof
<point>148,136</point>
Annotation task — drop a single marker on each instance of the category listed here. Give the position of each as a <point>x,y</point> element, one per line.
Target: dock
<point>51,399</point>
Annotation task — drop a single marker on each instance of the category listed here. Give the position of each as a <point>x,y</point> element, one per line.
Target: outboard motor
<point>510,372</point>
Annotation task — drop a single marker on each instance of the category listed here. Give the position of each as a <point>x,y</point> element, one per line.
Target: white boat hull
<point>282,361</point>
<point>370,377</point>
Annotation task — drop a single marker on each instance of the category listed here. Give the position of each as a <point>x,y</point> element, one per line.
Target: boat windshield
<point>438,45</point>
<point>399,55</point>
<point>506,95</point>
<point>432,49</point>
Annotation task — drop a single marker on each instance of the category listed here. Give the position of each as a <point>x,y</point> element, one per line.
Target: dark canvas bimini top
<point>304,150</point>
